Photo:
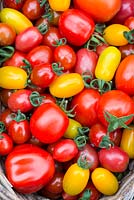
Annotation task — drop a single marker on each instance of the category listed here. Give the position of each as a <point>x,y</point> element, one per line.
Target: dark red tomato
<point>116,103</point>
<point>42,75</point>
<point>19,100</point>
<point>66,196</point>
<point>6,144</point>
<point>4,95</point>
<point>76,26</point>
<point>29,168</point>
<point>16,60</point>
<point>66,56</point>
<point>98,131</point>
<point>35,141</point>
<point>17,5</point>
<point>91,191</point>
<point>48,123</point>
<point>6,117</point>
<point>65,150</point>
<point>126,50</point>
<point>19,131</point>
<point>114,159</point>
<point>50,38</point>
<point>85,106</point>
<point>124,77</point>
<point>28,39</point>
<point>50,195</point>
<point>7,34</point>
<point>129,22</point>
<point>85,61</point>
<point>90,154</point>
<point>55,19</point>
<point>40,55</point>
<point>32,9</point>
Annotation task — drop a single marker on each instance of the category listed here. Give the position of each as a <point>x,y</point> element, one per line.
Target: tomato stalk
<point>18,117</point>
<point>83,163</point>
<point>86,195</point>
<point>129,35</point>
<point>2,129</point>
<point>42,2</point>
<point>56,69</point>
<point>43,28</point>
<point>87,77</point>
<point>27,67</point>
<point>48,15</point>
<point>61,41</point>
<point>101,85</point>
<point>99,28</point>
<point>35,98</point>
<point>106,142</point>
<point>5,53</point>
<point>81,138</point>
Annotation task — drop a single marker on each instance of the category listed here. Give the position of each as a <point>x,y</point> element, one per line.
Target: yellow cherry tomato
<point>59,5</point>
<point>12,77</point>
<point>127,141</point>
<point>113,34</point>
<point>72,130</point>
<point>107,63</point>
<point>67,85</point>
<point>75,179</point>
<point>105,181</point>
<point>15,19</point>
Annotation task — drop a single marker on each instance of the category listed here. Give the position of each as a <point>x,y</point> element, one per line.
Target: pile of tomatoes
<point>67,96</point>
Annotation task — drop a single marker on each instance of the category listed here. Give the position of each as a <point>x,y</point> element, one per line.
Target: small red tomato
<point>126,50</point>
<point>6,144</point>
<point>6,117</point>
<point>7,34</point>
<point>4,95</point>
<point>17,5</point>
<point>129,22</point>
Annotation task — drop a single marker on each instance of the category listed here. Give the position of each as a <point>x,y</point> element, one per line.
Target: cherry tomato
<point>6,144</point>
<point>6,117</point>
<point>17,5</point>
<point>126,50</point>
<point>4,95</point>
<point>7,34</point>
<point>129,22</point>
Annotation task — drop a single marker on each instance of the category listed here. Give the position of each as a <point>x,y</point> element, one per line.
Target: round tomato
<point>7,34</point>
<point>6,144</point>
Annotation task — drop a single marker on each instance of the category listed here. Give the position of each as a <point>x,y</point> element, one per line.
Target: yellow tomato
<point>105,181</point>
<point>12,77</point>
<point>59,5</point>
<point>15,19</point>
<point>75,179</point>
<point>127,141</point>
<point>67,85</point>
<point>113,34</point>
<point>72,130</point>
<point>107,63</point>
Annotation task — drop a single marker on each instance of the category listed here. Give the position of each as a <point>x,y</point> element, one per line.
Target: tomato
<point>12,77</point>
<point>4,95</point>
<point>124,77</point>
<point>104,181</point>
<point>15,19</point>
<point>66,196</point>
<point>17,5</point>
<point>48,123</point>
<point>75,179</point>
<point>126,50</point>
<point>101,47</point>
<point>105,68</point>
<point>6,117</point>
<point>113,34</point>
<point>108,158</point>
<point>7,34</point>
<point>84,103</point>
<point>129,22</point>
<point>59,5</point>
<point>47,98</point>
<point>97,8</point>
<point>127,141</point>
<point>6,144</point>
<point>76,26</point>
<point>29,168</point>
<point>65,150</point>
<point>66,85</point>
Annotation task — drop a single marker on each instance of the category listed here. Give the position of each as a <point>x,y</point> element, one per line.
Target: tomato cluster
<point>67,96</point>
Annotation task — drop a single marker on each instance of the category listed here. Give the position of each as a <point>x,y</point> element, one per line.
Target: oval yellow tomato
<point>75,179</point>
<point>15,19</point>
<point>59,5</point>
<point>113,34</point>
<point>12,77</point>
<point>127,141</point>
<point>67,85</point>
<point>104,181</point>
<point>107,63</point>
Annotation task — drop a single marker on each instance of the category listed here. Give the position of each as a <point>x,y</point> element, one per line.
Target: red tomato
<point>84,103</point>
<point>126,50</point>
<point>4,95</point>
<point>66,196</point>
<point>29,168</point>
<point>6,117</point>
<point>65,150</point>
<point>129,22</point>
<point>7,34</point>
<point>114,159</point>
<point>6,144</point>
<point>76,26</point>
<point>48,123</point>
<point>124,77</point>
<point>17,5</point>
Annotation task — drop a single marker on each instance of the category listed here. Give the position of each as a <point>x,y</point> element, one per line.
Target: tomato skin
<point>72,183</point>
<point>127,141</point>
<point>65,150</point>
<point>6,118</point>
<point>66,85</point>
<point>4,95</point>
<point>6,144</point>
<point>105,68</point>
<point>29,168</point>
<point>17,77</point>
<point>104,181</point>
<point>96,9</point>
<point>124,77</point>
<point>13,4</point>
<point>108,158</point>
<point>15,19</point>
<point>126,50</point>
<point>129,22</point>
<point>48,123</point>
<point>71,19</point>
<point>7,34</point>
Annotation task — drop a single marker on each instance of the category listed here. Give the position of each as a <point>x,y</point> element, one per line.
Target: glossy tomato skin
<point>6,144</point>
<point>6,117</point>
<point>4,95</point>
<point>48,123</point>
<point>13,4</point>
<point>29,168</point>
<point>126,50</point>
<point>124,77</point>
<point>7,34</point>
<point>108,158</point>
<point>129,22</point>
<point>71,19</point>
<point>86,103</point>
<point>96,9</point>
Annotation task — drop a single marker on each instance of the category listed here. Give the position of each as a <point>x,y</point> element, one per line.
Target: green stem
<point>19,116</point>
<point>2,127</point>
<point>5,53</point>
<point>43,28</point>
<point>129,35</point>
<point>101,85</point>
<point>86,195</point>
<point>61,41</point>
<point>83,163</point>
<point>56,69</point>
<point>35,98</point>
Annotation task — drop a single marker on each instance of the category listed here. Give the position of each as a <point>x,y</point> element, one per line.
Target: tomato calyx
<point>106,142</point>
<point>2,129</point>
<point>99,27</point>
<point>18,117</point>
<point>42,3</point>
<point>81,138</point>
<point>57,69</point>
<point>129,35</point>
<point>5,53</point>
<point>35,98</point>
<point>42,28</point>
<point>27,67</point>
<point>86,195</point>
<point>61,41</point>
<point>101,85</point>
<point>87,77</point>
<point>83,162</point>
<point>116,122</point>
